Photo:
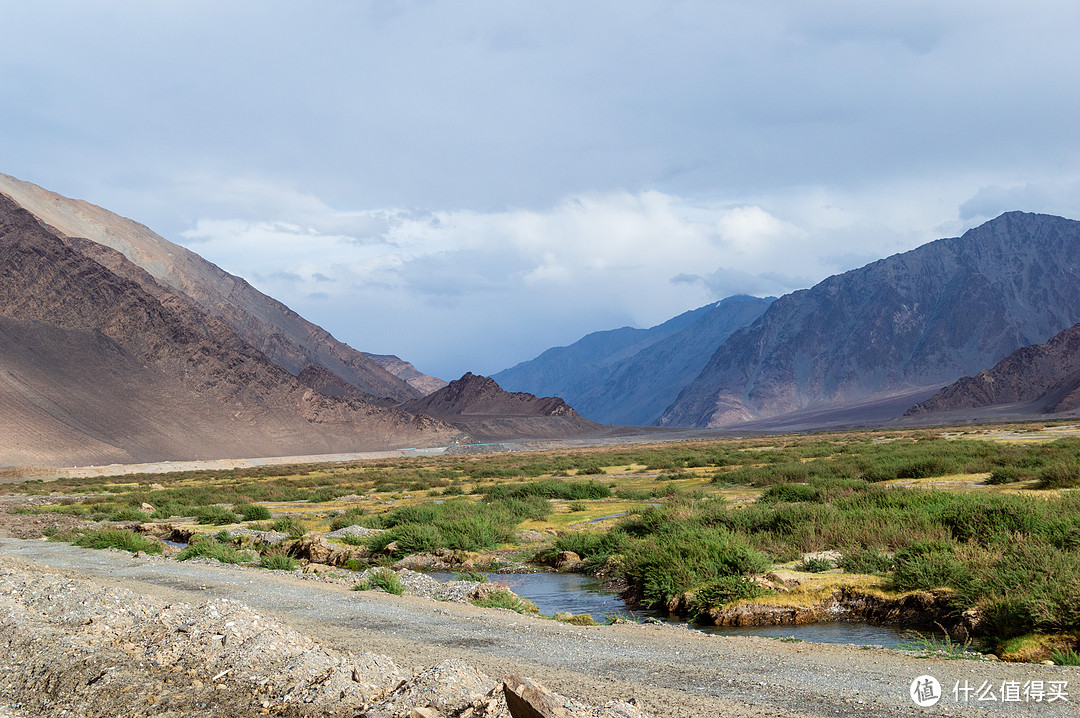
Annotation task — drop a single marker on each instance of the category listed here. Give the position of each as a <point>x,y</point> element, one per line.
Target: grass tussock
<point>123,539</point>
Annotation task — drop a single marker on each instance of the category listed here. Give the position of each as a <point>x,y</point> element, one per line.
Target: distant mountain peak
<point>474,395</point>
<point>902,324</point>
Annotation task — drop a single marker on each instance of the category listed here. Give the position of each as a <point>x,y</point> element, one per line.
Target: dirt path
<point>671,671</point>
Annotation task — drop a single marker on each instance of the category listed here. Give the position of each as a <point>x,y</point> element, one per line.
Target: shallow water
<point>556,592</point>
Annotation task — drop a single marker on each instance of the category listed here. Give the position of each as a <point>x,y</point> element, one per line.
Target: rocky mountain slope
<point>914,320</point>
<point>282,335</point>
<point>478,406</point>
<point>1046,374</point>
<point>100,363</point>
<point>629,376</point>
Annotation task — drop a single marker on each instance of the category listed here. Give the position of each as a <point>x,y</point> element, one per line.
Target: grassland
<point>991,515</point>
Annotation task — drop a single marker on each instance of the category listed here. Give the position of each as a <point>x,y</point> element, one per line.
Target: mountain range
<point>860,346</point>
<point>117,346</point>
<point>628,375</point>
<point>896,327</point>
<point>1038,379</point>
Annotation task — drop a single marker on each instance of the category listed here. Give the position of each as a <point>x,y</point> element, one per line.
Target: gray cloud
<point>549,167</point>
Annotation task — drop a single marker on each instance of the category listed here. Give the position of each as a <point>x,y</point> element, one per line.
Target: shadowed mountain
<point>910,322</point>
<point>282,335</point>
<point>480,407</point>
<point>1046,376</point>
<point>100,363</point>
<point>629,376</point>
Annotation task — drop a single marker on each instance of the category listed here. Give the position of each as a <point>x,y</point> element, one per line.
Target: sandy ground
<point>671,671</point>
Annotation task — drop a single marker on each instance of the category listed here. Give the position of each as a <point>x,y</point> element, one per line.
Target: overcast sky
<point>466,184</point>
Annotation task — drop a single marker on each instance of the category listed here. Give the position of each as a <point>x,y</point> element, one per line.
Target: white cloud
<point>511,283</point>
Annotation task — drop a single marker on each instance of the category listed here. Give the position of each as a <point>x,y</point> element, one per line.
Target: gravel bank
<point>670,671</point>
<point>73,647</point>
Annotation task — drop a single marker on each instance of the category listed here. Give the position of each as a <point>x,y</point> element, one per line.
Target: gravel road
<point>671,671</point>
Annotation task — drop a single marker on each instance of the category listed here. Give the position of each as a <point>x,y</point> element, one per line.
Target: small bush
<point>551,489</point>
<point>209,548</point>
<point>116,538</point>
<point>577,506</point>
<point>289,525</point>
<point>1067,657</point>
<point>865,561</point>
<point>129,513</point>
<point>814,565</point>
<point>351,517</point>
<point>724,590</point>
<point>278,561</point>
<point>254,512</point>
<point>216,515</point>
<point>503,598</point>
<point>382,579</point>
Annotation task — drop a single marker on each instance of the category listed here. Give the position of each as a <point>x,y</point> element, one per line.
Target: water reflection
<point>557,592</point>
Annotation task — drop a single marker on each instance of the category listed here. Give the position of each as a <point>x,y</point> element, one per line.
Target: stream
<point>557,592</point>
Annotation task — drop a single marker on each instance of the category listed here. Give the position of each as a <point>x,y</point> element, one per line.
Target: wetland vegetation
<point>989,520</point>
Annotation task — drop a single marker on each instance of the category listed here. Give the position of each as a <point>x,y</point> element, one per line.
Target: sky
<point>466,184</point>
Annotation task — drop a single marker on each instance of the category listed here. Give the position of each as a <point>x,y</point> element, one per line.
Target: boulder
<point>148,508</point>
<point>314,548</point>
<point>568,561</point>
<point>528,699</point>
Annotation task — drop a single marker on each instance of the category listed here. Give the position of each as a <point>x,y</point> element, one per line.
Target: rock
<point>449,688</point>
<point>1047,662</point>
<point>425,713</point>
<point>568,561</point>
<point>528,699</point>
<point>182,534</point>
<point>531,536</point>
<point>314,548</point>
<point>152,529</point>
<point>157,487</point>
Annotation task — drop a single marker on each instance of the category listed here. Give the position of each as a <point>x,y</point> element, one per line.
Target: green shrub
<point>929,564</point>
<point>207,547</point>
<point>217,515</point>
<point>724,590</point>
<point>503,598</point>
<point>289,525</point>
<point>129,513</point>
<point>865,561</point>
<point>814,565</point>
<point>1066,657</point>
<point>577,506</point>
<point>278,561</point>
<point>551,489</point>
<point>351,517</point>
<point>1060,476</point>
<point>254,512</point>
<point>790,493</point>
<point>382,579</point>
<point>116,538</point>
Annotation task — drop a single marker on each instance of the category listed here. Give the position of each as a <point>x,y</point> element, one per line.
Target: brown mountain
<point>480,407</point>
<point>282,335</point>
<point>100,363</point>
<point>1044,376</point>
<point>903,325</point>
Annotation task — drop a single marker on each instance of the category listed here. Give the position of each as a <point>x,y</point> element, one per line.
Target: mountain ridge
<point>281,334</point>
<point>629,376</point>
<point>914,320</point>
<point>99,363</point>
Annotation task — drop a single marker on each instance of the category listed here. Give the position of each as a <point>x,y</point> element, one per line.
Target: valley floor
<point>670,671</point>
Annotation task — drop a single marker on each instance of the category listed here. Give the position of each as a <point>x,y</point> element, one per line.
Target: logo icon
<point>925,691</point>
